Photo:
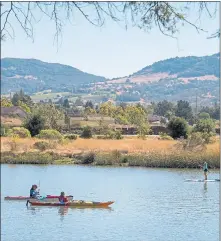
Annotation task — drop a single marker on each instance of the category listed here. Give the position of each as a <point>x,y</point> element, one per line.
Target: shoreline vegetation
<point>151,152</point>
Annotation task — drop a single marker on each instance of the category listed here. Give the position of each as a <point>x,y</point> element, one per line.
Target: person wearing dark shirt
<point>62,198</point>
<point>33,191</point>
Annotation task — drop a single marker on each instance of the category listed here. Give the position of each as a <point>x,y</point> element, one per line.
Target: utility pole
<point>196,102</point>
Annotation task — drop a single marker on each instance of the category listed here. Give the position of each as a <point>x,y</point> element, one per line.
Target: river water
<point>150,204</point>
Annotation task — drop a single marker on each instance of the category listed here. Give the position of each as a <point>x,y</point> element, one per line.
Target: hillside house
<point>13,111</point>
<point>155,119</point>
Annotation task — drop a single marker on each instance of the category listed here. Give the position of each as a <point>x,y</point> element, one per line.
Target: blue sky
<point>110,51</point>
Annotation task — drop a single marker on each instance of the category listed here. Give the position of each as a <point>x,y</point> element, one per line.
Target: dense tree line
<point>180,115</point>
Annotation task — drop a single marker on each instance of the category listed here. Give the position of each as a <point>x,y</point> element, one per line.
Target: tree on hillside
<point>214,111</point>
<point>66,103</point>
<point>79,102</point>
<point>15,99</point>
<point>22,97</point>
<point>164,107</point>
<point>89,104</point>
<point>166,16</point>
<point>67,120</point>
<point>184,110</point>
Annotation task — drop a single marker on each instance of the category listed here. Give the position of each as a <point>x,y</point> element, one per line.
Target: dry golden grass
<point>96,145</point>
<point>22,144</point>
<point>215,147</point>
<point>11,121</point>
<point>129,145</point>
<point>149,153</point>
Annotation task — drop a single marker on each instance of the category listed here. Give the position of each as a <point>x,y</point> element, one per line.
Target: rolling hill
<point>32,74</point>
<point>171,79</point>
<point>183,68</point>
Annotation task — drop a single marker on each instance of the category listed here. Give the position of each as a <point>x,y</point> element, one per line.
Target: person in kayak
<point>205,170</point>
<point>33,191</point>
<point>62,198</point>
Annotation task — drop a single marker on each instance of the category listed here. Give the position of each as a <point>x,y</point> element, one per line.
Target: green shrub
<point>50,134</point>
<point>118,135</point>
<point>209,137</point>
<point>164,136</point>
<point>71,137</point>
<point>88,158</point>
<point>87,132</point>
<point>43,145</point>
<point>116,155</point>
<point>104,159</point>
<point>114,135</point>
<point>3,131</point>
<point>205,125</point>
<point>124,160</point>
<point>143,130</point>
<point>178,127</point>
<point>19,132</point>
<point>204,115</point>
<point>34,124</point>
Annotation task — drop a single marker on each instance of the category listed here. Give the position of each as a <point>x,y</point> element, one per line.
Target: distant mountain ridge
<point>182,68</point>
<point>170,79</point>
<point>29,74</point>
<point>190,66</point>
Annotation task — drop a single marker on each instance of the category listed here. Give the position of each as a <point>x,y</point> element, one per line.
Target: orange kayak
<point>75,203</point>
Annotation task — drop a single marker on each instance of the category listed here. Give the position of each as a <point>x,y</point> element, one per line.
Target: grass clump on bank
<point>43,145</point>
<point>34,158</point>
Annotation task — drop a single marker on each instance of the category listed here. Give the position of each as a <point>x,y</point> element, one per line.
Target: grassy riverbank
<point>126,152</point>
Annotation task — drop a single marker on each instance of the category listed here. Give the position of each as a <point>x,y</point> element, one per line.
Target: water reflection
<point>205,187</point>
<point>63,211</point>
<point>32,209</point>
